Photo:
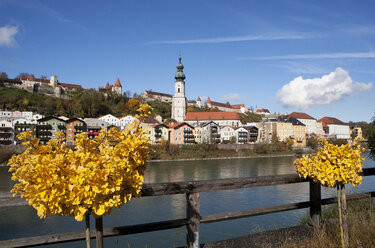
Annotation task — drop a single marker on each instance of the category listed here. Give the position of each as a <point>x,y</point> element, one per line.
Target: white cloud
<point>282,36</point>
<point>315,56</point>
<point>303,93</point>
<point>7,34</point>
<point>233,97</point>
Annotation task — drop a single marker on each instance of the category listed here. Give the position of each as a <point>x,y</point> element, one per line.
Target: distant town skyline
<point>316,57</point>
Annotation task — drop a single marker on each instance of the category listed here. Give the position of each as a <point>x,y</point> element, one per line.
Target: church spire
<point>179,76</point>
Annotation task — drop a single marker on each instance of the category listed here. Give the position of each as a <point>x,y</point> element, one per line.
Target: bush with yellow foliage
<point>335,166</point>
<point>99,174</point>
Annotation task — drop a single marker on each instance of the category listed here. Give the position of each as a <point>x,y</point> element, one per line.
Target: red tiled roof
<point>238,106</point>
<point>208,100</point>
<point>107,86</point>
<point>118,84</point>
<point>220,104</point>
<point>330,120</point>
<point>203,116</point>
<point>31,78</point>
<point>198,99</point>
<point>77,86</point>
<point>178,124</point>
<point>149,92</point>
<point>262,111</point>
<point>300,115</point>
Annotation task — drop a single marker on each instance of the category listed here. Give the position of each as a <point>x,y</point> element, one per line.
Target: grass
<point>361,224</point>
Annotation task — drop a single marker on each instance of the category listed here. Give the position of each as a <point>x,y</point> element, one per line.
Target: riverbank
<point>7,151</point>
<point>224,158</point>
<point>167,152</point>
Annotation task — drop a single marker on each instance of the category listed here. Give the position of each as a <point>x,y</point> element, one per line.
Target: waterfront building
<point>47,127</point>
<point>6,132</point>
<point>112,120</point>
<point>253,134</point>
<point>299,132</point>
<point>221,118</point>
<point>227,133</point>
<point>310,122</point>
<point>334,128</point>
<point>181,133</point>
<point>211,132</point>
<point>159,133</point>
<point>241,135</point>
<point>125,121</point>
<point>355,132</point>
<point>74,126</point>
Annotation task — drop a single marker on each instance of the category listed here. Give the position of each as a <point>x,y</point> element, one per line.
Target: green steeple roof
<point>179,76</point>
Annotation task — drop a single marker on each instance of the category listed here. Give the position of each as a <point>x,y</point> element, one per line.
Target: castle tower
<point>117,87</point>
<point>179,100</point>
<point>199,102</point>
<point>53,81</point>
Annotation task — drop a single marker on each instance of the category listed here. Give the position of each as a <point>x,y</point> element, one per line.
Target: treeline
<point>86,103</point>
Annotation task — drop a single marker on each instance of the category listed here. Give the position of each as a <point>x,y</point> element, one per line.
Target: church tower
<point>179,99</point>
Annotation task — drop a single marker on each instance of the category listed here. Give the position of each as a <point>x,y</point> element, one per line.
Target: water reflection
<point>16,222</point>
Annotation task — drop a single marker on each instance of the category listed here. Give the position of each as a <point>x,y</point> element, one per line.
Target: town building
<point>221,118</point>
<point>241,135</point>
<point>112,120</point>
<point>299,132</point>
<point>179,102</point>
<point>253,134</point>
<point>74,126</point>
<point>334,128</point>
<point>6,132</point>
<point>211,133</point>
<point>227,134</point>
<point>355,132</point>
<point>310,122</point>
<point>47,127</point>
<point>159,133</point>
<point>181,133</point>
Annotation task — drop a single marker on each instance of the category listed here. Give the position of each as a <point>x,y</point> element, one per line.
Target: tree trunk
<point>99,231</point>
<point>87,221</point>
<point>344,215</point>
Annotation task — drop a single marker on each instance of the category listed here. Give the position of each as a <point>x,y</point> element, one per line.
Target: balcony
<point>5,135</point>
<point>6,129</point>
<point>38,132</point>
<point>44,127</point>
<point>186,136</point>
<point>158,135</point>
<point>61,127</point>
<point>80,128</point>
<point>6,142</point>
<point>188,131</point>
<point>188,141</point>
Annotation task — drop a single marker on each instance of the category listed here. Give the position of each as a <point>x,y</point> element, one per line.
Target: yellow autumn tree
<point>335,166</point>
<point>99,174</point>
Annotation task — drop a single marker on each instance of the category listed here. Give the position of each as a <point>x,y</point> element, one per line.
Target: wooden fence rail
<point>193,218</point>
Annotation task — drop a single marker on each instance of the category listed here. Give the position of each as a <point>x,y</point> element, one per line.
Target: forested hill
<point>87,103</point>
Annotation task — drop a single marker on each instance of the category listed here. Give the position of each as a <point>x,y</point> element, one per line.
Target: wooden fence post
<point>315,203</point>
<point>193,217</point>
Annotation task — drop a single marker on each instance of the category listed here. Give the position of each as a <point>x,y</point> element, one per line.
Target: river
<point>22,221</point>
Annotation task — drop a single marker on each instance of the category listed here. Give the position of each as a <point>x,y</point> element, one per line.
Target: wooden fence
<point>193,217</point>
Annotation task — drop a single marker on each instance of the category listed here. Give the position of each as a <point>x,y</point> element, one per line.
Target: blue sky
<point>316,57</point>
